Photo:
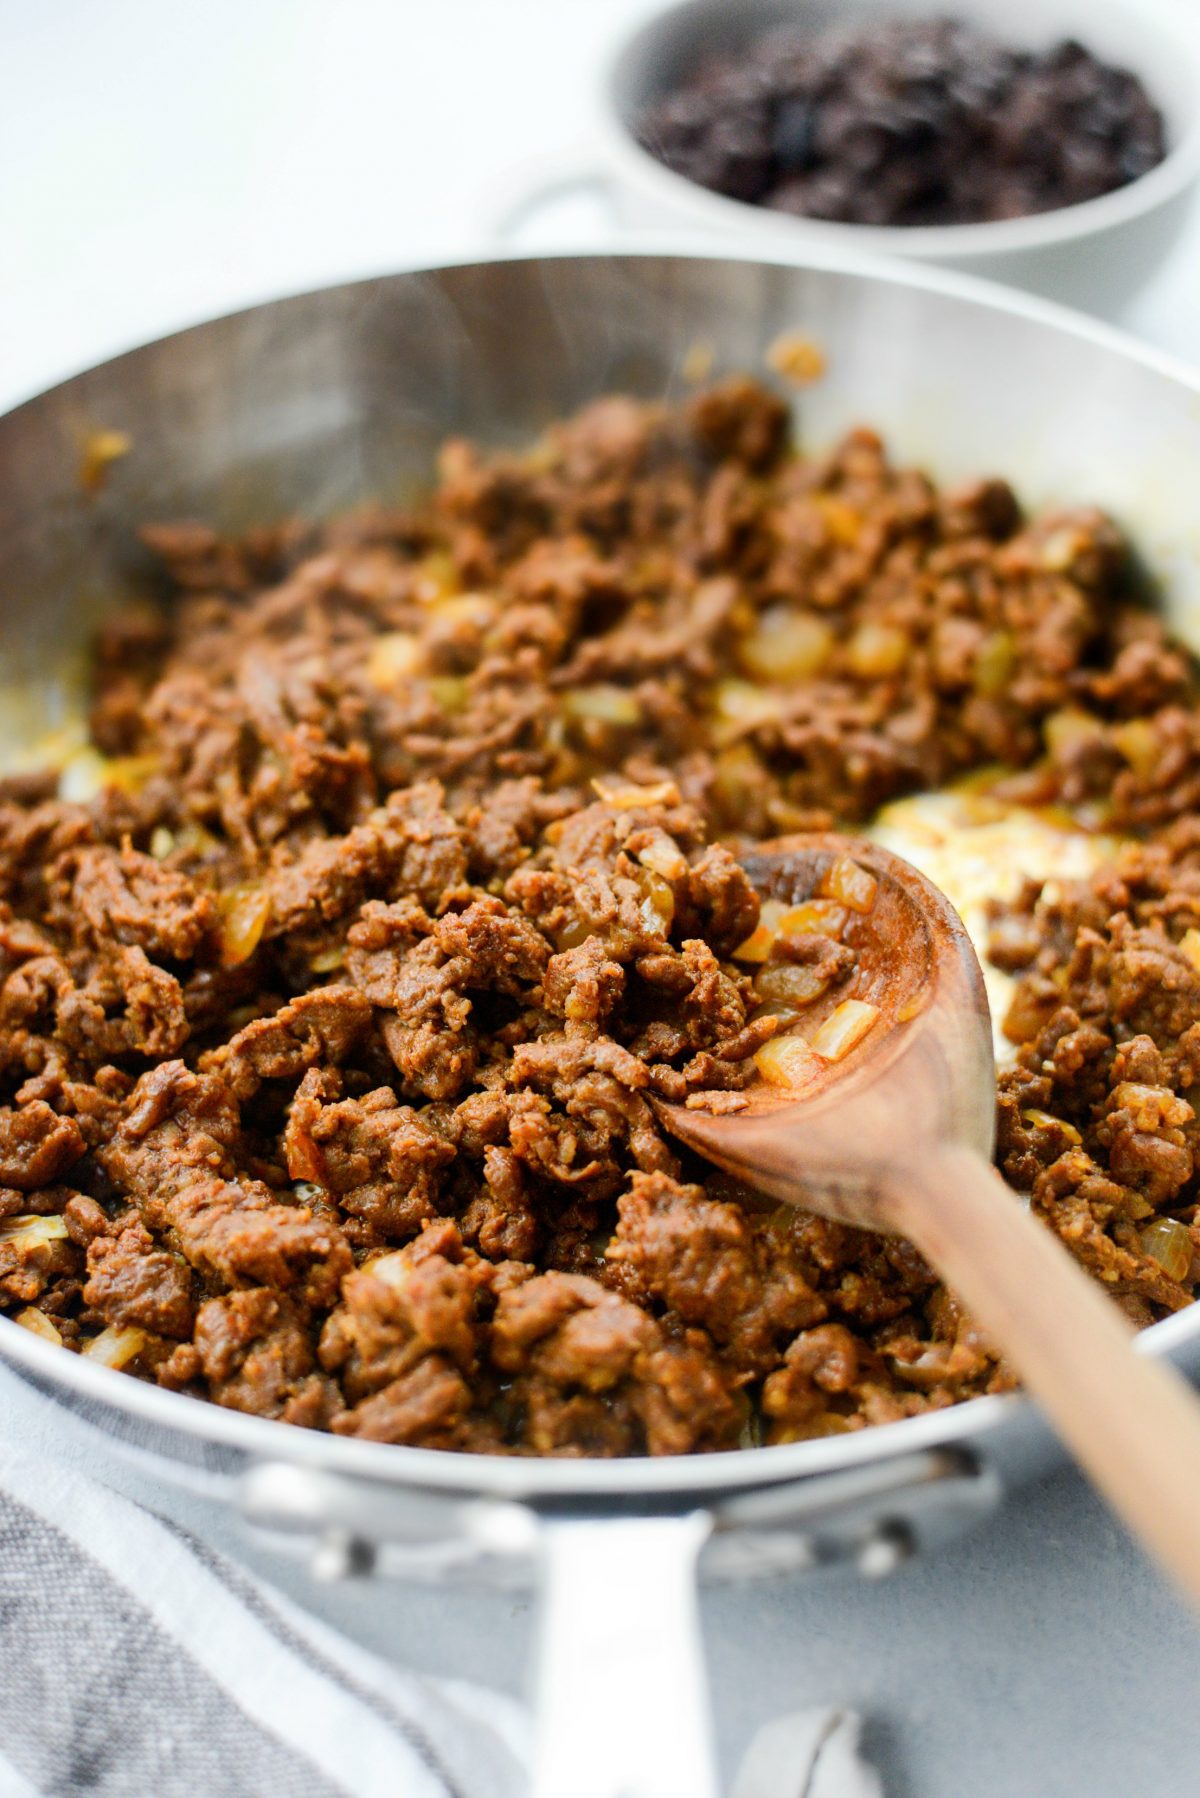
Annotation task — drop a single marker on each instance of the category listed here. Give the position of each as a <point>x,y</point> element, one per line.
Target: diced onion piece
<point>573,934</point>
<point>849,884</point>
<point>38,1324</point>
<point>625,797</point>
<point>798,358</point>
<point>813,917</point>
<point>244,911</point>
<point>785,1016</point>
<point>193,839</point>
<point>1190,944</point>
<point>1067,729</point>
<point>1026,1015</point>
<point>738,776</point>
<point>392,1269</point>
<point>791,985</point>
<point>844,1029</point>
<point>830,1423</point>
<point>786,1061</point>
<point>1138,743</point>
<point>697,363</point>
<point>542,455</point>
<point>877,650</point>
<point>129,773</point>
<point>437,577</point>
<point>32,1232</point>
<point>1058,817</point>
<point>786,645</point>
<point>604,703</point>
<point>100,451</point>
<point>113,1348</point>
<point>86,775</point>
<point>664,857</point>
<point>1095,815</point>
<point>474,609</point>
<point>758,944</point>
<point>1150,1107</point>
<point>450,691</point>
<point>1061,549</point>
<point>842,522</point>
<point>392,657</point>
<point>162,841</point>
<point>740,702</point>
<point>1046,1120</point>
<point>658,903</point>
<point>994,663</point>
<point>328,959</point>
<point>1168,1242</point>
<point>823,1423</point>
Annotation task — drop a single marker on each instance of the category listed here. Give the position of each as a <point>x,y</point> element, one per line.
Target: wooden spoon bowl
<point>926,1062</point>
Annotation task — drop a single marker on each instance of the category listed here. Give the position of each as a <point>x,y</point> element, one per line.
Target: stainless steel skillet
<point>315,402</point>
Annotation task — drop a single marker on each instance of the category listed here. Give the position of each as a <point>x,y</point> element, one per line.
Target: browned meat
<point>131,1283</point>
<point>35,1268</point>
<point>593,1373</point>
<point>331,1031</point>
<point>36,1146</point>
<point>257,1355</point>
<point>319,1029</point>
<point>378,1157</point>
<point>709,1263</point>
<point>406,1341</point>
<point>426,1407</point>
<point>131,898</point>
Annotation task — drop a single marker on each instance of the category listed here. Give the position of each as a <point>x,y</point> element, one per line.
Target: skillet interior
<point>315,402</point>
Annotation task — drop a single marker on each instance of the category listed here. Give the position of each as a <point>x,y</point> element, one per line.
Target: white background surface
<point>162,162</point>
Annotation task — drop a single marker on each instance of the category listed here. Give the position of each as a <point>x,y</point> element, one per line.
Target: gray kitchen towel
<point>137,1661</point>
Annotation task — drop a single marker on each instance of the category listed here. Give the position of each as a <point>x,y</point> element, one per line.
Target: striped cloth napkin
<point>138,1662</point>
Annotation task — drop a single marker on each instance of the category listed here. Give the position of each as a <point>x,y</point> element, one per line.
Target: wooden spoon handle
<point>1133,1423</point>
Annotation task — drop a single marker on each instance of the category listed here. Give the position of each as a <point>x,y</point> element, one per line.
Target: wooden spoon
<point>897,1137</point>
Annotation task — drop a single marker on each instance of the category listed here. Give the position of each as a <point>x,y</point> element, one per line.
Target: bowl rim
<point>1064,225</point>
<point>656,1480</point>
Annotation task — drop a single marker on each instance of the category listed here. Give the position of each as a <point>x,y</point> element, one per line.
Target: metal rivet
<point>340,1555</point>
<point>886,1548</point>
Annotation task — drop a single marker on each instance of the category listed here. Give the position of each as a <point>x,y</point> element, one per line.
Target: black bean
<point>917,122</point>
<point>792,133</point>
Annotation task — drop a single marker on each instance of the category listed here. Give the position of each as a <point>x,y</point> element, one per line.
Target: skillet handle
<point>621,1694</point>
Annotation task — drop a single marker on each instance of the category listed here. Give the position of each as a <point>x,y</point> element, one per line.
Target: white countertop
<point>165,163</point>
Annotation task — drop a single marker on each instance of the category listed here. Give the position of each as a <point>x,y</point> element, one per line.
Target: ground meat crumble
<point>331,1021</point>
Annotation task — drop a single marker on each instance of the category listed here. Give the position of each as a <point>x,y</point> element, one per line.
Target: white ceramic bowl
<point>1095,255</point>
